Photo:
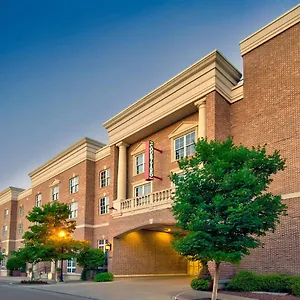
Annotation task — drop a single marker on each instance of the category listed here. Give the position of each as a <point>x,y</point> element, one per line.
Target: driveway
<point>139,288</point>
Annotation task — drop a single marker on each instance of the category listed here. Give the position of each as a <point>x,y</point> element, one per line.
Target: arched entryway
<point>147,251</point>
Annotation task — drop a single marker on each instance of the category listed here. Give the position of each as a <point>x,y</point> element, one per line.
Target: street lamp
<point>61,234</point>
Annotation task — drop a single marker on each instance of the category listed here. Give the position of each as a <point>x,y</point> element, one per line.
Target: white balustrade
<point>147,201</point>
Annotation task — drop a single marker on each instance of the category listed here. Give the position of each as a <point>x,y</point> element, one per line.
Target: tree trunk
<point>204,272</point>
<point>216,282</point>
<point>32,272</point>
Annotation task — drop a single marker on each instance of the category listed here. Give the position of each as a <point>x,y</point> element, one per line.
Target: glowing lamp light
<point>62,234</point>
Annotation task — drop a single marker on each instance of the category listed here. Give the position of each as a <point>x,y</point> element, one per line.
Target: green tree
<point>222,204</point>
<point>14,263</point>
<point>50,236</point>
<point>90,259</point>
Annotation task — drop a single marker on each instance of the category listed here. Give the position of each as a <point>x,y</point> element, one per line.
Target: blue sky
<point>67,66</point>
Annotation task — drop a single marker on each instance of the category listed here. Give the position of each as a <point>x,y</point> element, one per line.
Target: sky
<point>67,66</point>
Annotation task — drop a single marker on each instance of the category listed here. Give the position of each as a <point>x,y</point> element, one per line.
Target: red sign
<point>149,160</point>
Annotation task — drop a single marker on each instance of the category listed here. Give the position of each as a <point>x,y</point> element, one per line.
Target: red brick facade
<point>140,229</point>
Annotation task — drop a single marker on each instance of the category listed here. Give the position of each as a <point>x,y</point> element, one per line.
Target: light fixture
<point>108,246</point>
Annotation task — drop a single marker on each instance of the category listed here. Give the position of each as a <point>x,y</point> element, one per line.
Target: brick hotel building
<point>105,185</point>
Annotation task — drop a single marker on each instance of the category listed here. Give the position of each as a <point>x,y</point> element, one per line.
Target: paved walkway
<point>140,288</point>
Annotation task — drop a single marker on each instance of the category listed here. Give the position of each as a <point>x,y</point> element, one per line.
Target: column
<point>122,176</point>
<point>201,105</point>
<point>52,271</point>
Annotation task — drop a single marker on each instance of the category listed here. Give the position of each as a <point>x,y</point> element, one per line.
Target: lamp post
<point>62,235</point>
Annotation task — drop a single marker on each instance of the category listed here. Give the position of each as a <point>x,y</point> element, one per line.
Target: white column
<point>201,105</point>
<point>53,271</point>
<point>122,171</point>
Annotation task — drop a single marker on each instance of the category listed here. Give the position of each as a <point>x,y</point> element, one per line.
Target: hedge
<point>248,282</point>
<point>102,277</point>
<point>200,284</point>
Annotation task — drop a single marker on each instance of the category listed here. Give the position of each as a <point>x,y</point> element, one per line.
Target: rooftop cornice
<point>85,141</point>
<point>215,57</point>
<point>271,30</point>
<point>10,194</point>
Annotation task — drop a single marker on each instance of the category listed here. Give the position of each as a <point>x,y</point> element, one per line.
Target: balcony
<point>154,201</point>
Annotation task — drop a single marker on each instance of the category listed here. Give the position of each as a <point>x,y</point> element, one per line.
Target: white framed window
<point>104,178</point>
<point>184,145</point>
<point>21,211</point>
<point>140,164</point>
<point>71,265</point>
<point>54,193</point>
<point>102,244</point>
<point>3,262</point>
<point>142,190</point>
<point>20,228</point>
<point>74,182</point>
<point>5,214</point>
<point>38,200</point>
<point>4,232</point>
<point>103,205</point>
<point>74,210</point>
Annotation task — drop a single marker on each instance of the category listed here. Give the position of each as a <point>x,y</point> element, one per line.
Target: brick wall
<point>270,110</point>
<point>147,252</point>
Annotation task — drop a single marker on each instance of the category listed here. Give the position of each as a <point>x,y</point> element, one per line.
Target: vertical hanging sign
<point>149,160</point>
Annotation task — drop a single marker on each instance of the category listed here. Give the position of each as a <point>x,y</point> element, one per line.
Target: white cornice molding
<point>10,194</point>
<point>212,73</point>
<point>237,92</point>
<point>271,30</point>
<point>25,194</point>
<point>212,58</point>
<point>85,149</point>
<point>102,153</point>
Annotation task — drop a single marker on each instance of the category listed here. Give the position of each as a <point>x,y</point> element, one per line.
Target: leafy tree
<point>14,263</point>
<point>44,242</point>
<point>90,259</point>
<point>222,204</point>
<point>48,221</point>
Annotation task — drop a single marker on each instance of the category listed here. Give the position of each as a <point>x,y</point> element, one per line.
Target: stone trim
<point>91,226</point>
<point>10,194</point>
<point>271,30</point>
<point>290,196</point>
<point>237,92</point>
<point>211,73</point>
<point>85,149</point>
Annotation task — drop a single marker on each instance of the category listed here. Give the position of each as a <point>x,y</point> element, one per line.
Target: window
<point>74,185</point>
<point>5,214</point>
<point>140,164</point>
<point>102,244</point>
<point>184,145</point>
<point>38,200</point>
<point>71,265</point>
<point>103,205</point>
<point>21,211</point>
<point>141,190</point>
<point>5,230</point>
<point>54,193</point>
<point>74,210</point>
<point>20,228</point>
<point>3,262</point>
<point>104,178</point>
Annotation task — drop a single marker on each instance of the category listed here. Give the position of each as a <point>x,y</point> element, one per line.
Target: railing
<point>147,201</point>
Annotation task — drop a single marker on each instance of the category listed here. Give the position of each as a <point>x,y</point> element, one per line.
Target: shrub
<point>102,277</point>
<point>33,282</point>
<point>200,284</point>
<point>243,282</point>
<point>249,282</point>
<point>295,288</point>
